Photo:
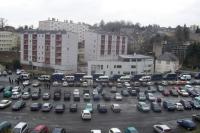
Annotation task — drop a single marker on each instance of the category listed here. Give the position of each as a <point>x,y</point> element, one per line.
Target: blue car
<point>187,123</point>
<point>131,130</point>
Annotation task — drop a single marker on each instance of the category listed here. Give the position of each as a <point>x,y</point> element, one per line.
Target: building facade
<point>104,46</point>
<point>52,49</point>
<point>167,62</point>
<point>126,64</point>
<point>54,25</point>
<point>9,41</point>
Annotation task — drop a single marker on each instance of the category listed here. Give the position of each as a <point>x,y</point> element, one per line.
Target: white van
<point>124,79</point>
<point>185,77</point>
<point>44,77</point>
<point>103,79</point>
<point>88,79</point>
<point>21,127</point>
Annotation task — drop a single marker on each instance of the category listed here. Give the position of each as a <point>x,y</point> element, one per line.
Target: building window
<point>118,72</point>
<point>101,67</point>
<point>111,72</point>
<point>138,60</point>
<point>133,66</point>
<point>119,66</point>
<point>107,66</point>
<point>114,66</point>
<point>104,72</point>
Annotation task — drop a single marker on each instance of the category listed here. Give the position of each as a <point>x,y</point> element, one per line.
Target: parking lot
<point>129,116</point>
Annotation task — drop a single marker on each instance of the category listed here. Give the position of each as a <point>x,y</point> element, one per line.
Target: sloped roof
<point>168,57</point>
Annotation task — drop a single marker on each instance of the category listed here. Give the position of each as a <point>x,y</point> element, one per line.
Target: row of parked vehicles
<point>23,127</point>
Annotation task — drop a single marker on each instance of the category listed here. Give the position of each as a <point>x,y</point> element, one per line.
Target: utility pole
<point>3,22</point>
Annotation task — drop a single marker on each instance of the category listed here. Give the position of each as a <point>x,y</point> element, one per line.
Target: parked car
<point>118,97</point>
<point>124,93</point>
<point>76,97</point>
<point>46,107</point>
<point>113,89</point>
<point>26,95</point>
<point>142,106</point>
<point>174,93</point>
<point>141,96</point>
<point>18,105</point>
<point>96,97</point>
<point>59,108</point>
<point>21,127</point>
<point>160,128</point>
<point>115,130</point>
<point>5,104</point>
<point>73,107</point>
<point>166,92</point>
<point>186,123</point>
<point>76,92</point>
<point>86,97</point>
<point>26,83</point>
<point>195,104</point>
<point>168,105</point>
<point>15,95</point>
<point>57,94</point>
<point>151,97</point>
<point>186,104</point>
<point>196,117</point>
<point>116,108</point>
<point>36,84</point>
<point>59,130</point>
<point>40,129</point>
<point>95,131</point>
<point>16,89</point>
<point>35,95</point>
<point>160,88</point>
<point>89,107</point>
<point>131,130</point>
<point>65,84</point>
<point>156,107</point>
<point>35,106</point>
<point>67,95</point>
<point>179,107</point>
<point>183,93</point>
<point>46,96</point>
<point>102,108</point>
<point>132,92</point>
<point>86,115</point>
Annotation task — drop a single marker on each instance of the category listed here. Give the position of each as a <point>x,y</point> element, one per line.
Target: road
<point>73,123</point>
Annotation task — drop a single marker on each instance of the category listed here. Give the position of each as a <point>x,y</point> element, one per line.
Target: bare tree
<point>3,22</point>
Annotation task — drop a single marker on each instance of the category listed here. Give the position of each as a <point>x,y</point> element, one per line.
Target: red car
<point>166,92</point>
<point>40,129</point>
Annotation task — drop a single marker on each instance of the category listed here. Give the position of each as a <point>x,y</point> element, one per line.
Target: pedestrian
<point>9,80</point>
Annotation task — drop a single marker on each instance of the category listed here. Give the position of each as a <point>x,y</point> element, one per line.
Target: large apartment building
<point>9,40</point>
<point>52,49</point>
<point>54,24</point>
<point>104,46</point>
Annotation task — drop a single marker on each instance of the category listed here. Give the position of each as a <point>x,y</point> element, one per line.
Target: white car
<point>16,89</point>
<point>85,84</point>
<point>21,127</point>
<point>5,103</point>
<point>183,93</point>
<point>86,115</point>
<point>119,85</point>
<point>95,131</point>
<point>126,84</point>
<point>115,130</point>
<point>26,83</point>
<point>65,84</point>
<point>145,78</point>
<point>18,72</point>
<point>162,129</point>
<point>179,107</point>
<point>36,84</point>
<point>55,83</point>
<point>15,95</point>
<point>118,96</point>
<point>76,92</point>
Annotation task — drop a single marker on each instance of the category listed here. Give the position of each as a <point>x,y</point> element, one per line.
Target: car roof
<point>115,129</point>
<point>20,124</point>
<point>4,100</point>
<point>96,131</point>
<point>163,126</point>
<point>39,127</point>
<point>46,104</point>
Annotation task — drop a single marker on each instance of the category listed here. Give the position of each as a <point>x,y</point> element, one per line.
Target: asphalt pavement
<point>73,123</point>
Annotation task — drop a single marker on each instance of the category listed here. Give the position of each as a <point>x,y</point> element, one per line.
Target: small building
<point>125,64</point>
<point>167,62</point>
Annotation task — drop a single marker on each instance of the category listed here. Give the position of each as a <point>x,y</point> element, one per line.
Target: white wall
<point>108,66</point>
<point>164,66</point>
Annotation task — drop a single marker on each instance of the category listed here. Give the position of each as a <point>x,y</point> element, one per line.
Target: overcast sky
<point>162,12</point>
